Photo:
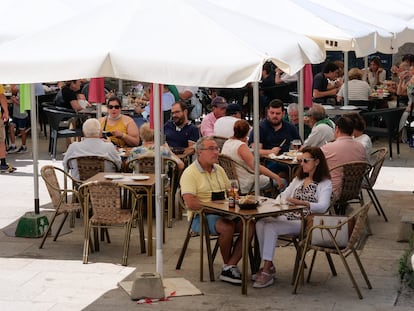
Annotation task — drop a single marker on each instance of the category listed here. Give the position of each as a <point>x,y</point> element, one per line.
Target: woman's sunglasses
<point>114,107</point>
<point>305,160</point>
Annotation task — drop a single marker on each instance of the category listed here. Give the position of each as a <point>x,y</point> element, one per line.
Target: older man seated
<point>91,145</point>
<point>322,127</point>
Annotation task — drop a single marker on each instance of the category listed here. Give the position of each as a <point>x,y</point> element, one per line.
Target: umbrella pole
<point>158,183</point>
<point>345,80</point>
<point>256,139</point>
<point>301,103</point>
<point>33,120</point>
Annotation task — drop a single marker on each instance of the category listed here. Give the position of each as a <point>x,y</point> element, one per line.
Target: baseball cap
<point>219,102</point>
<point>233,108</point>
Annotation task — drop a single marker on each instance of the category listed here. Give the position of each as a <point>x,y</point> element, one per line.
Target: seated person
<point>342,150</point>
<point>358,133</point>
<point>357,89</point>
<point>138,117</point>
<point>236,148</point>
<point>275,135</point>
<point>91,145</point>
<point>123,130</point>
<point>204,181</point>
<point>69,96</point>
<point>375,74</point>
<point>312,188</point>
<point>218,110</point>
<point>223,127</point>
<point>147,147</point>
<point>282,77</point>
<point>180,132</point>
<point>293,117</point>
<point>324,92</point>
<point>322,127</point>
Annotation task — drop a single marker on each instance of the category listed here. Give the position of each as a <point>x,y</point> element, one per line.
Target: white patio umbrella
<point>383,15</point>
<point>140,40</point>
<point>334,29</point>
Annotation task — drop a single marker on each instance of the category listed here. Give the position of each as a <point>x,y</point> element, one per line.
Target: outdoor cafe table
<point>267,207</point>
<point>338,111</point>
<point>286,160</point>
<point>140,185</point>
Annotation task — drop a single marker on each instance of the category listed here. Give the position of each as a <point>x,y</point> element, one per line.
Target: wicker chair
<point>220,140</point>
<point>230,167</point>
<point>359,216</point>
<point>88,166</point>
<point>353,174</point>
<point>113,205</point>
<point>145,164</point>
<point>377,159</point>
<point>59,197</point>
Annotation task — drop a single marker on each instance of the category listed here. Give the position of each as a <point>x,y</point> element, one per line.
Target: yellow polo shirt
<point>200,183</point>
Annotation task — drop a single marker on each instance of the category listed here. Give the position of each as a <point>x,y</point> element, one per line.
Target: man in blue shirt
<point>275,134</point>
<point>179,131</point>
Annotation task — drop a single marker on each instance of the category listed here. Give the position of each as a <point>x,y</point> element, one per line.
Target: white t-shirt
<point>224,126</point>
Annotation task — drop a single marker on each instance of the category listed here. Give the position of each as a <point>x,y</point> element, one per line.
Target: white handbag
<point>321,237</point>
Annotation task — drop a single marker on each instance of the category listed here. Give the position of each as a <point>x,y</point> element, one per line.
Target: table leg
<point>201,215</point>
<point>149,221</point>
<point>245,254</point>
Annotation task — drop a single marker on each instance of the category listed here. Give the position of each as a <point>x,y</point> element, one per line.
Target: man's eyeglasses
<point>211,149</point>
<point>176,112</point>
<point>114,107</point>
<point>305,160</point>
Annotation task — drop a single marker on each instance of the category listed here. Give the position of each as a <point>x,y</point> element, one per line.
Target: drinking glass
<point>234,184</point>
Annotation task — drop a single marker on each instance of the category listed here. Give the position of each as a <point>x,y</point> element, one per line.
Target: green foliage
<point>405,269</point>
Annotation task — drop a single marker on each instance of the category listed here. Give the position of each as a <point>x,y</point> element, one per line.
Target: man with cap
<point>224,126</point>
<point>218,106</point>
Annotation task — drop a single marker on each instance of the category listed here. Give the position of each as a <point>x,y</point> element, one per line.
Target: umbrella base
<point>32,225</point>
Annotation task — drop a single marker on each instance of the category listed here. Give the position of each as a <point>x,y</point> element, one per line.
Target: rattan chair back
<point>59,197</point>
<point>377,159</point>
<point>220,140</point>
<point>89,166</point>
<point>146,164</point>
<point>113,205</point>
<point>352,175</point>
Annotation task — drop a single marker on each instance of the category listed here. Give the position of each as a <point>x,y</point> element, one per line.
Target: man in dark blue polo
<point>179,131</point>
<point>275,134</point>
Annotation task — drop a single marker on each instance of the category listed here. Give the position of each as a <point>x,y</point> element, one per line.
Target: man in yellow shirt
<point>204,181</point>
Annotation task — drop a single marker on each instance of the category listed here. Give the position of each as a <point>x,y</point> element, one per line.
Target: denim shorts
<point>20,123</point>
<point>211,220</point>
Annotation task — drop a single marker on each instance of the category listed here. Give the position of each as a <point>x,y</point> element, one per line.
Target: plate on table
<point>139,177</point>
<point>249,206</point>
<point>329,107</point>
<point>248,202</point>
<point>290,155</point>
<point>349,107</point>
<point>114,176</point>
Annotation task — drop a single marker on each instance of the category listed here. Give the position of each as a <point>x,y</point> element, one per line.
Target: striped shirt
<point>357,90</point>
